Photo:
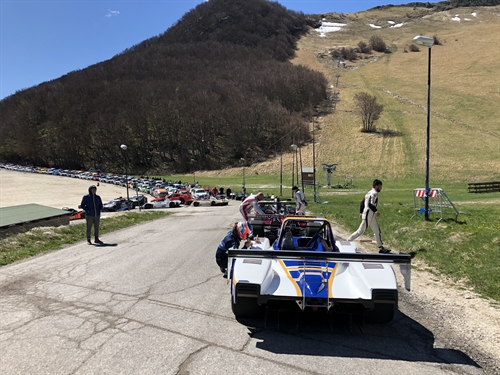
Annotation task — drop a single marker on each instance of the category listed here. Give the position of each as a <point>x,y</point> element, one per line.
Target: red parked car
<point>183,195</point>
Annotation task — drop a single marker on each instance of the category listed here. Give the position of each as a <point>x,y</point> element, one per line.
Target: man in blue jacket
<point>92,204</point>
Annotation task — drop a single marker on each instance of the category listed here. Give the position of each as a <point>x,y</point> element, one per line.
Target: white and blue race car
<point>306,268</point>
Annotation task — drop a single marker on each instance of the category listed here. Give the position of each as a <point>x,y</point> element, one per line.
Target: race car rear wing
<point>404,260</point>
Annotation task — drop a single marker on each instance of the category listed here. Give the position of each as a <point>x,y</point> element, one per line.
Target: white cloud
<point>112,13</point>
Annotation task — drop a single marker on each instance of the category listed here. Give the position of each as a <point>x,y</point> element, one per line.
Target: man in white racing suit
<point>300,201</point>
<point>251,202</point>
<point>369,214</point>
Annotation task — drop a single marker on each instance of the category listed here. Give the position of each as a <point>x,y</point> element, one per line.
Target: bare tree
<point>369,110</point>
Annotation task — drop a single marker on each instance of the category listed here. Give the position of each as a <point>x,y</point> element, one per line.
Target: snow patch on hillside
<point>329,27</point>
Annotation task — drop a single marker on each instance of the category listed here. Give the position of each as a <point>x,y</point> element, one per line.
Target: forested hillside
<point>214,88</point>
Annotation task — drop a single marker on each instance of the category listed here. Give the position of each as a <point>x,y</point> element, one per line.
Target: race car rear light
<point>247,290</point>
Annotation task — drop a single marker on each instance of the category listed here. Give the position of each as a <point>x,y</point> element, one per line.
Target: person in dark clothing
<point>241,231</point>
<point>228,193</point>
<point>92,204</point>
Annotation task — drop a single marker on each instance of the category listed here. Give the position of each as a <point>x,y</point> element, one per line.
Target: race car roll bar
<point>404,260</point>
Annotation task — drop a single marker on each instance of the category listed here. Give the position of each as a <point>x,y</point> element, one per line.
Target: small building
<point>308,176</point>
<point>22,218</point>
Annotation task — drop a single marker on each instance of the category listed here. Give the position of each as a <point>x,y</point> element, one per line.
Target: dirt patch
<point>54,191</point>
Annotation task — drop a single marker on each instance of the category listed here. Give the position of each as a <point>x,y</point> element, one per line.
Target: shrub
<point>364,47</point>
<point>349,54</point>
<point>437,42</point>
<point>414,48</point>
<point>377,44</point>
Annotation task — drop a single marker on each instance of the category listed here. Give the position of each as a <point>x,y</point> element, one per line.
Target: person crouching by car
<point>92,205</point>
<point>241,231</point>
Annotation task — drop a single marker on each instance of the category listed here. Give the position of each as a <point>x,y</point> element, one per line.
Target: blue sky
<point>41,40</point>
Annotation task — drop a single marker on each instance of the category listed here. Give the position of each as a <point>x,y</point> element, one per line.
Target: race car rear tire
<point>246,307</point>
<point>172,205</point>
<point>381,313</point>
<point>196,204</point>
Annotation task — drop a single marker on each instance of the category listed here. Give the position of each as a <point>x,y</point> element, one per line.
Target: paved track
<point>152,301</point>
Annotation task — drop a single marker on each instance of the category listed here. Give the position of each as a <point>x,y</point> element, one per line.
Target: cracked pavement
<point>155,303</point>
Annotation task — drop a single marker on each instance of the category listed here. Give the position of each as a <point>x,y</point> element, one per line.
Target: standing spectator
<point>92,204</point>
<point>244,190</point>
<point>221,190</point>
<point>215,191</point>
<point>252,201</point>
<point>369,213</point>
<point>228,193</point>
<point>300,201</point>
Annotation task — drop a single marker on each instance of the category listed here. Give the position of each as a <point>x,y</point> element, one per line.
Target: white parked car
<point>167,203</point>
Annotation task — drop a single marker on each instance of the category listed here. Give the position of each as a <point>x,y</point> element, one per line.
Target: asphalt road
<point>152,301</point>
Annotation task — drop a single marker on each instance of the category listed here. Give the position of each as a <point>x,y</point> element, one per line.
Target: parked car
<point>137,200</point>
<point>166,203</point>
<point>114,205</point>
<point>199,193</point>
<point>211,201</point>
<point>75,214</point>
<point>183,195</point>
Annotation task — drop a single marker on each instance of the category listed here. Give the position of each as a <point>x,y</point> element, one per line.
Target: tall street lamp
<point>427,42</point>
<point>194,172</point>
<point>294,160</point>
<point>124,148</point>
<point>314,162</point>
<point>281,167</point>
<point>243,184</point>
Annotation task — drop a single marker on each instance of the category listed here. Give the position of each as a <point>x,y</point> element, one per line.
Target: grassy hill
<point>465,136</point>
<point>465,96</point>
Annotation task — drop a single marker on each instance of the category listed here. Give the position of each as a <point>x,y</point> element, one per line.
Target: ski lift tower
<point>329,168</point>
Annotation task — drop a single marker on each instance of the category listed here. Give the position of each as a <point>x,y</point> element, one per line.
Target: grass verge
<point>466,251</point>
<point>43,239</point>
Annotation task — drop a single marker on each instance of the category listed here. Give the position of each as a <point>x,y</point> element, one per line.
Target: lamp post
<point>124,148</point>
<point>314,163</point>
<point>300,169</point>
<point>281,168</point>
<point>194,173</point>
<point>427,42</point>
<point>243,188</point>
<point>294,160</point>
